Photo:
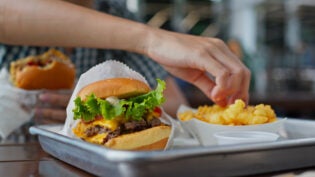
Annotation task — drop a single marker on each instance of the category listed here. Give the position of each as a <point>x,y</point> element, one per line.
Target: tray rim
<point>141,156</point>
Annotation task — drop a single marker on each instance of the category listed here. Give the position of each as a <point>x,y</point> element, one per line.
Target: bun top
<point>57,75</point>
<point>50,70</point>
<point>118,87</point>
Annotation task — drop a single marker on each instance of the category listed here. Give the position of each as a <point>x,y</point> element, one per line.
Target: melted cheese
<point>111,124</point>
<point>81,127</point>
<point>98,139</point>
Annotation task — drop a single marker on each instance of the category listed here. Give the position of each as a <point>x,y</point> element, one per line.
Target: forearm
<point>58,23</point>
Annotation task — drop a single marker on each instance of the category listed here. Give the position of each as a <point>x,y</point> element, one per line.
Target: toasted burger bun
<point>56,76</point>
<point>154,138</point>
<point>59,73</point>
<point>118,87</point>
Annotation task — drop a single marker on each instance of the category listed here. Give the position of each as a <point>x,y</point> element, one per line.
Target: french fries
<point>234,114</point>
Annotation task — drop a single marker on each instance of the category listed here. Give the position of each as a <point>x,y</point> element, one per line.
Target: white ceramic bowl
<point>243,137</point>
<point>204,132</point>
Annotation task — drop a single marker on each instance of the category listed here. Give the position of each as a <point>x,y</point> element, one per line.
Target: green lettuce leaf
<point>133,108</point>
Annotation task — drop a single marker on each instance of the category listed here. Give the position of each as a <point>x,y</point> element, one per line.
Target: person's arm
<point>191,58</point>
<point>59,23</point>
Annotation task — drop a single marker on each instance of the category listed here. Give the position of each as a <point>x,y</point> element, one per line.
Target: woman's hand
<point>51,107</point>
<point>193,58</point>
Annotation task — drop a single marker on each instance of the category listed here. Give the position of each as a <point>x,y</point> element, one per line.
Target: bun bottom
<point>150,139</point>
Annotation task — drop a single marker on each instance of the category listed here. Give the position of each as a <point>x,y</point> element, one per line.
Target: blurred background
<point>274,38</point>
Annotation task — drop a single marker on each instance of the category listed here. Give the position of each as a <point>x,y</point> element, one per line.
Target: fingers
<point>51,107</point>
<point>232,77</point>
<point>55,99</point>
<point>196,77</point>
<point>49,115</point>
<point>239,79</point>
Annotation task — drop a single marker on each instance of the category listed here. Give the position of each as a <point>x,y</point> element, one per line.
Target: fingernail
<point>43,97</point>
<point>217,99</point>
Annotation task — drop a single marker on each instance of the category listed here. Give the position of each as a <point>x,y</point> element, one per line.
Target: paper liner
<point>106,70</point>
<point>203,131</point>
<point>16,105</point>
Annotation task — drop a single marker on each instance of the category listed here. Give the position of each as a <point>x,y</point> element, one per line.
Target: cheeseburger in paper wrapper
<point>110,70</point>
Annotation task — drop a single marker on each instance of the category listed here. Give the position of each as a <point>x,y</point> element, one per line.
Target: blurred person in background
<point>85,33</point>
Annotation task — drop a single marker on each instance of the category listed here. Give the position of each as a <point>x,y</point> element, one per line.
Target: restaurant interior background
<point>274,38</point>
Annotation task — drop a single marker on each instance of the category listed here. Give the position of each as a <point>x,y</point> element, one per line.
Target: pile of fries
<point>234,114</point>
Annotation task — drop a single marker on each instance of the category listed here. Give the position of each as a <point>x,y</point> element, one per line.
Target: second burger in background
<point>51,70</point>
<point>121,113</point>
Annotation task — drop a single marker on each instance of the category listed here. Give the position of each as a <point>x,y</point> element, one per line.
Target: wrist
<point>150,39</point>
<point>143,40</point>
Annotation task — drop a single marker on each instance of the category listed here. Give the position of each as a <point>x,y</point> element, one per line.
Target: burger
<point>50,70</point>
<point>121,113</point>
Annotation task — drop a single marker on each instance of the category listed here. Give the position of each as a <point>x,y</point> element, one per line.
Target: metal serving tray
<point>295,151</point>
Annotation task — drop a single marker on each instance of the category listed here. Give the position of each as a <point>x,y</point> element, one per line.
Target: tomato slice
<point>31,63</point>
<point>158,111</point>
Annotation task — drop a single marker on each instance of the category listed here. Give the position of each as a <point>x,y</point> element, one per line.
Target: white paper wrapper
<point>106,70</point>
<point>203,131</point>
<point>16,105</point>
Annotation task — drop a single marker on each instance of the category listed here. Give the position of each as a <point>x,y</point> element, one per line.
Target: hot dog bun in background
<point>51,70</point>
